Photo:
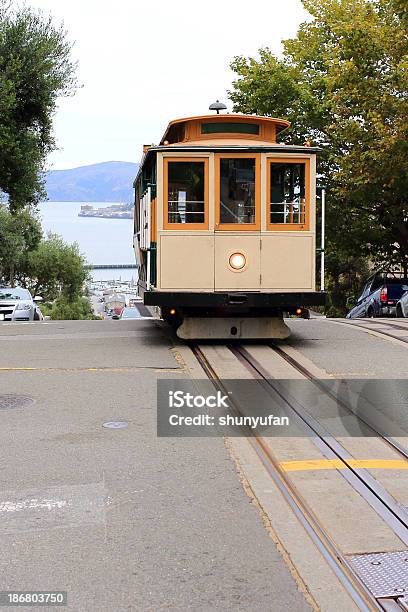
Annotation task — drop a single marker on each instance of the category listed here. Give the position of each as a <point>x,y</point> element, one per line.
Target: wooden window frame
<point>185,226</point>
<point>288,227</point>
<point>153,216</point>
<point>238,227</point>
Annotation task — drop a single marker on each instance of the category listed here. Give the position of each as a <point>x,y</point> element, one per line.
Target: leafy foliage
<point>343,83</point>
<point>54,269</point>
<point>35,68</point>
<point>19,234</point>
<point>347,276</point>
<point>48,267</point>
<point>63,309</point>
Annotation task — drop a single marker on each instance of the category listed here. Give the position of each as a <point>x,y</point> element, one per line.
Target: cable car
<point>225,227</point>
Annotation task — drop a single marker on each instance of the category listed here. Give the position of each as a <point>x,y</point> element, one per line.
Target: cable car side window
<point>186,193</point>
<point>288,194</point>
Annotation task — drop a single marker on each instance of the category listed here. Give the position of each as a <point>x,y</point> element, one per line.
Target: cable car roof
<point>171,135</point>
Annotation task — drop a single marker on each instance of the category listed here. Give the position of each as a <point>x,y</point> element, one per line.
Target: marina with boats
<point>110,298</point>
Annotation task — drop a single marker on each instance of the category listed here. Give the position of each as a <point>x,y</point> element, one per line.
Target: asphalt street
<point>345,351</point>
<point>118,518</point>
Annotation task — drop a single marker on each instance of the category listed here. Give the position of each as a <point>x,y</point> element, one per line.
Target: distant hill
<point>105,182</point>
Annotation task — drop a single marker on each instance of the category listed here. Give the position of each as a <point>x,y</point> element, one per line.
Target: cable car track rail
<point>338,563</point>
<point>386,506</point>
<point>401,450</point>
<point>381,332</point>
<point>393,514</point>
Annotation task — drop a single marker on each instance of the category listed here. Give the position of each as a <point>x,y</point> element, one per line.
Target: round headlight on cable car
<point>237,261</point>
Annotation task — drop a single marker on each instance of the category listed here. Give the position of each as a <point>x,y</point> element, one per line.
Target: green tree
<point>54,269</point>
<point>19,234</point>
<point>347,276</point>
<point>35,69</point>
<point>343,82</point>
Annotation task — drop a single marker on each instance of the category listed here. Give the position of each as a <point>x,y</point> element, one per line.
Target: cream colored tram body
<point>225,227</point>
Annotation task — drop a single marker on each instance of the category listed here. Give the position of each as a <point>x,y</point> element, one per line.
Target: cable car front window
<point>237,190</point>
<point>186,184</point>
<point>287,193</point>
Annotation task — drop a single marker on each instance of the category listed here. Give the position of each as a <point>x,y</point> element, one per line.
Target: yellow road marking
<point>107,369</point>
<point>337,464</point>
<point>22,369</point>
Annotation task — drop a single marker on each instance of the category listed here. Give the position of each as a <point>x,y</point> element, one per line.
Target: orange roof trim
<point>171,130</point>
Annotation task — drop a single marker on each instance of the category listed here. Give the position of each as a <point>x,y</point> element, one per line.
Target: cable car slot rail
<point>390,441</point>
<point>381,332</point>
<point>393,514</point>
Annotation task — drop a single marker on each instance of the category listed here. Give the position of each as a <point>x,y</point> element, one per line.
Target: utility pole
<point>322,240</point>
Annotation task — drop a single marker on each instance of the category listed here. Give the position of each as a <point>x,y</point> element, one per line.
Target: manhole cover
<point>7,402</point>
<point>115,424</point>
<point>385,574</point>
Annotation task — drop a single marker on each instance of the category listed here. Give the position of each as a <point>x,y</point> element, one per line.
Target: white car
<point>17,304</point>
<point>402,306</point>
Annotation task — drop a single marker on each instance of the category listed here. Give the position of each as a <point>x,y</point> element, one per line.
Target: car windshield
<point>382,279</point>
<point>397,281</point>
<point>14,293</point>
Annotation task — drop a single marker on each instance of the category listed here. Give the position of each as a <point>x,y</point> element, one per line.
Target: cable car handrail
<point>230,211</point>
<point>186,201</point>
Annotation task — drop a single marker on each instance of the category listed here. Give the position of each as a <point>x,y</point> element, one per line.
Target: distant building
<point>117,211</point>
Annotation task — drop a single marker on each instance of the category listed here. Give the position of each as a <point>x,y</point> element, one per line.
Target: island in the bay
<point>116,211</point>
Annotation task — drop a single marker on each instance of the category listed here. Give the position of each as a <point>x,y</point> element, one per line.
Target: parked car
<point>116,313</point>
<point>402,306</point>
<point>17,304</point>
<point>379,296</point>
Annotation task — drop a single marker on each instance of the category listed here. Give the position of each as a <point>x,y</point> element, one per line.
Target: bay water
<point>101,241</point>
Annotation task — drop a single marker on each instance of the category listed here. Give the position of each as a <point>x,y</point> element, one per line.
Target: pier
<point>112,266</point>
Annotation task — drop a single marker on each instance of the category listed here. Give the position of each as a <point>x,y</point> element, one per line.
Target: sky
<point>143,63</point>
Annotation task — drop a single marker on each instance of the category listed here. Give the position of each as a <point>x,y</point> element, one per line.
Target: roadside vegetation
<point>342,83</point>
<point>35,70</point>
<point>63,309</point>
<point>46,266</point>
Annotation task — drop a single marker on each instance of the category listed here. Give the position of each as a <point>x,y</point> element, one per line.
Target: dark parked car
<point>380,296</point>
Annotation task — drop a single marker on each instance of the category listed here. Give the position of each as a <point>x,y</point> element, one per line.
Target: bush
<point>65,310</point>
